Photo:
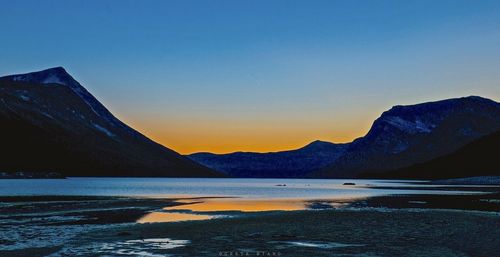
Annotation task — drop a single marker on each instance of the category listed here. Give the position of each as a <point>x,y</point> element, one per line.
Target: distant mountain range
<point>403,136</point>
<point>287,164</point>
<point>51,126</point>
<point>50,123</point>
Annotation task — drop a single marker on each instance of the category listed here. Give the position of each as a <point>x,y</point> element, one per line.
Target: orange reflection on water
<point>244,205</point>
<point>171,217</point>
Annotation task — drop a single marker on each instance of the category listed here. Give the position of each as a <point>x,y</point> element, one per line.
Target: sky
<point>269,75</point>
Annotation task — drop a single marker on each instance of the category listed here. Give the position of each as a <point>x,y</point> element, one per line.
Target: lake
<point>131,217</point>
<point>228,187</point>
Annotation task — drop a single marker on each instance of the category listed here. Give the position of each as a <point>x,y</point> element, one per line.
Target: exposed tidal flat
<point>374,219</point>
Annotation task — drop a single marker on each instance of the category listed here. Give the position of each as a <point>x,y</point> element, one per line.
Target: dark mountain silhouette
<point>285,164</point>
<point>50,123</point>
<point>478,158</point>
<point>407,135</point>
<point>402,136</point>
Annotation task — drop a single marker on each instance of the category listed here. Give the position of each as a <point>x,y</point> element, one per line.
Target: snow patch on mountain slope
<point>411,127</point>
<point>19,78</point>
<point>53,79</point>
<point>402,146</point>
<point>103,129</point>
<point>47,115</point>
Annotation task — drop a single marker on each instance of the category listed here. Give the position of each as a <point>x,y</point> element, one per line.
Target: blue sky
<point>257,75</point>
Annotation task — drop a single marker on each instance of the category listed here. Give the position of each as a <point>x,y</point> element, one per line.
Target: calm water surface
<point>189,187</point>
<point>56,224</point>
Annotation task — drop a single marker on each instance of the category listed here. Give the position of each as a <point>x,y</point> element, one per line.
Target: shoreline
<point>472,181</point>
<point>29,224</point>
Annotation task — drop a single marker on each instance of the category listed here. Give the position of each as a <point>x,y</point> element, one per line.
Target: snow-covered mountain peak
<point>56,75</point>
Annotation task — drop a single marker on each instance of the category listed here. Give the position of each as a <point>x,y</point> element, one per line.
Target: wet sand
<point>329,233</point>
<point>416,225</point>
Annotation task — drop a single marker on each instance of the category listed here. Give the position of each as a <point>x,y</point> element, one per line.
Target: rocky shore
<point>31,175</point>
<point>404,225</point>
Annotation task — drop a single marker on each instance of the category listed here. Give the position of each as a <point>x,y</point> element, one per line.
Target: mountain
<point>50,123</point>
<point>400,137</point>
<point>407,135</point>
<point>478,158</point>
<point>285,164</point>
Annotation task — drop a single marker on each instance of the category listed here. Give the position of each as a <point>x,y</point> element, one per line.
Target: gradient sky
<point>267,75</point>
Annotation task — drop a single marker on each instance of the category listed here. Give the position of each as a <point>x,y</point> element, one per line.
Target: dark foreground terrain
<point>417,225</point>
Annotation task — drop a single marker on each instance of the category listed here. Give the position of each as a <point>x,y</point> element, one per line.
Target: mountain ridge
<point>59,75</point>
<point>290,163</point>
<point>401,136</point>
<point>52,123</point>
<point>405,135</point>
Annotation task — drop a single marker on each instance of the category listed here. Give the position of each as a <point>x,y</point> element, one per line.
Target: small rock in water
<point>281,185</point>
<point>124,233</point>
<point>349,184</point>
<point>283,236</point>
<point>255,235</point>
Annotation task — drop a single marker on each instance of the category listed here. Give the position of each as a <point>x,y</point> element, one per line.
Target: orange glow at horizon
<point>215,137</point>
